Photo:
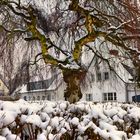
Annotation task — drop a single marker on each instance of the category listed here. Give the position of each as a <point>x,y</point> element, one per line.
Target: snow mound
<point>61,120</point>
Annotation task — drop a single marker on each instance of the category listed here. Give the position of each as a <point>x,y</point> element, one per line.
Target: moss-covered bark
<point>73,80</point>
<point>72,77</point>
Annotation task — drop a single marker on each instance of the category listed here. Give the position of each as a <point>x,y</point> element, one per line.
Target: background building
<point>100,85</point>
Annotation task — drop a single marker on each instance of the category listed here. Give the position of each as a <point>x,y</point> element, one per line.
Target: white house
<point>111,82</point>
<point>101,85</point>
<point>107,86</point>
<point>50,89</point>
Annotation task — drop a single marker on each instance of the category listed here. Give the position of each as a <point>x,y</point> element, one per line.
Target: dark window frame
<point>25,98</point>
<point>43,98</point>
<point>110,96</point>
<point>38,97</point>
<point>37,85</point>
<point>89,97</point>
<point>49,97</point>
<point>106,75</point>
<point>99,76</point>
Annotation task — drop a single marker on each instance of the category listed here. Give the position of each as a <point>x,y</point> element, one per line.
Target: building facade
<point>50,89</point>
<point>102,85</point>
<point>111,85</point>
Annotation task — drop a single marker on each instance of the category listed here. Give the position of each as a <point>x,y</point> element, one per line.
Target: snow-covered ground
<point>64,121</point>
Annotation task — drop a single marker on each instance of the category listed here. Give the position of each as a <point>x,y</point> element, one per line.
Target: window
<point>89,97</point>
<point>25,98</point>
<point>115,96</point>
<point>1,92</point>
<point>99,78</point>
<point>33,98</point>
<point>38,97</point>
<point>111,96</point>
<point>39,85</point>
<point>43,97</point>
<point>106,75</point>
<point>92,78</point>
<point>49,97</point>
<point>34,85</point>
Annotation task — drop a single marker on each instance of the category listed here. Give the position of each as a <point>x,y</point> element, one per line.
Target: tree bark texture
<point>73,78</point>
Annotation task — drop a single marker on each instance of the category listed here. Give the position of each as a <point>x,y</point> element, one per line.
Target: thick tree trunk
<point>73,80</point>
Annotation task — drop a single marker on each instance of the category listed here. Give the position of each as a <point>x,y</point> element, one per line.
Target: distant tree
<point>67,29</point>
<point>14,67</point>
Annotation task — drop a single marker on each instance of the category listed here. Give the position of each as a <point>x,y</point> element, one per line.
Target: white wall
<point>113,84</point>
<point>98,89</point>
<point>60,92</point>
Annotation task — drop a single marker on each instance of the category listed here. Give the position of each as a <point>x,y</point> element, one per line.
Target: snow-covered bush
<point>64,121</point>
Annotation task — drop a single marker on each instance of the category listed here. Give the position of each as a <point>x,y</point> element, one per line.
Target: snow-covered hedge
<point>21,120</point>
